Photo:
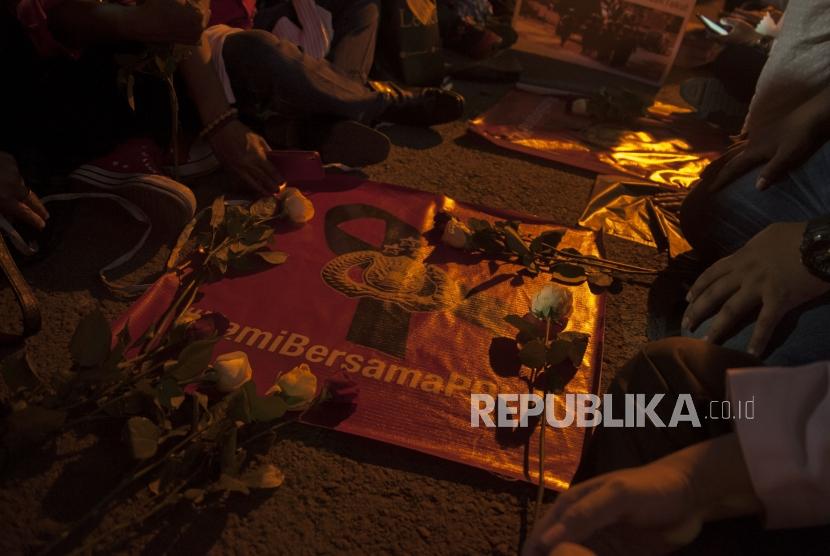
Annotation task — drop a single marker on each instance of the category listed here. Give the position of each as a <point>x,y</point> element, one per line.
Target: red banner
<point>414,322</point>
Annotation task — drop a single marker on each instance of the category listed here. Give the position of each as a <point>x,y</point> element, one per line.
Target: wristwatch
<point>815,247</point>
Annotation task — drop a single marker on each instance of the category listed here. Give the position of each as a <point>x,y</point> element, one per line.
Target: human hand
<point>766,272</point>
<point>17,202</point>
<point>740,32</point>
<point>656,508</point>
<point>177,21</point>
<point>657,498</point>
<point>780,146</point>
<point>245,154</point>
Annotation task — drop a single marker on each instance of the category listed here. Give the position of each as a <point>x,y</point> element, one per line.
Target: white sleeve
<point>786,440</point>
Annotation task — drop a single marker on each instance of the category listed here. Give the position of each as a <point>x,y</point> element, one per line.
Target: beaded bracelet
<point>221,120</point>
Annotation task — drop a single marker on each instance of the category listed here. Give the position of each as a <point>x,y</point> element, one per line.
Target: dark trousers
<point>291,97</point>
<point>685,366</point>
<point>274,78</point>
<point>57,113</point>
<point>355,24</point>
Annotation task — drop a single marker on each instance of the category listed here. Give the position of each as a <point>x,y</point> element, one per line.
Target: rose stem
<point>540,493</point>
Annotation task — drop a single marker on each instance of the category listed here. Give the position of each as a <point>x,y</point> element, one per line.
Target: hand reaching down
<point>766,274</point>
<point>245,154</point>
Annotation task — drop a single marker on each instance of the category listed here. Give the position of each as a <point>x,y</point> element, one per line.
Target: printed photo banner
<point>414,322</point>
<point>669,147</point>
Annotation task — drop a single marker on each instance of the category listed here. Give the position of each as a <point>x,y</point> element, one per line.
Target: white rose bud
<point>298,383</point>
<point>233,370</point>
<point>554,302</point>
<point>297,206</point>
<point>456,234</point>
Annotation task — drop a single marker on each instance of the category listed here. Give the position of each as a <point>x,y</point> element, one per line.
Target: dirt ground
<point>342,494</point>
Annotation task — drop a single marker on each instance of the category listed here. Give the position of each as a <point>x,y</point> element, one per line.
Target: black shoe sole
<point>354,144</point>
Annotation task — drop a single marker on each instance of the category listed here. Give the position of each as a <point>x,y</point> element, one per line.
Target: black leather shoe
<point>418,106</point>
<point>353,144</point>
<point>338,141</point>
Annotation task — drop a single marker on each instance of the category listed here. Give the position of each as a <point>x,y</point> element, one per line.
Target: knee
<point>372,9</point>
<point>661,353</point>
<point>258,48</point>
<point>646,370</point>
<point>367,12</point>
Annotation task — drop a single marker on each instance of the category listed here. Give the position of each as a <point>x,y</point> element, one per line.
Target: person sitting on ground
<point>66,106</point>
<point>649,490</point>
<point>761,210</point>
<point>723,99</point>
<point>313,92</point>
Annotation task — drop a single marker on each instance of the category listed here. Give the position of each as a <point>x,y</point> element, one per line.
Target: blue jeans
<point>719,224</point>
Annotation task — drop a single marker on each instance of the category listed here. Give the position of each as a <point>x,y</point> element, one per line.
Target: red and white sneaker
<point>133,171</point>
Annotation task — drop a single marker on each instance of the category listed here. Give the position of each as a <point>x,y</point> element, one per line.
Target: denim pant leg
<point>802,337</point>
<point>738,213</point>
<point>271,77</point>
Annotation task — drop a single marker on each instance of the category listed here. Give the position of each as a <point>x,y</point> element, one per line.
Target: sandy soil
<point>342,494</point>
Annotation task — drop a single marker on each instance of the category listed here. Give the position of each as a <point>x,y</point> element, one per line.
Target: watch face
<point>815,249</point>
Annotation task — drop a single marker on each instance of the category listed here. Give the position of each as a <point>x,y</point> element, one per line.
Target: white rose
<point>299,383</point>
<point>297,206</point>
<point>456,234</point>
<point>554,302</point>
<point>233,370</point>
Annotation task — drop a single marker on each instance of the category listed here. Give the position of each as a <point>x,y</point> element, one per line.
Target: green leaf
<point>241,248</point>
<point>579,344</point>
<point>479,225</point>
<point>239,408</point>
<point>193,359</point>
<point>169,394</point>
<point>217,212</point>
<point>257,234</point>
<point>236,218</point>
<point>549,239</point>
<point>91,341</point>
<point>264,408</point>
<point>567,273</point>
<point>558,351</point>
<point>555,379</point>
<point>533,354</point>
<point>230,460</point>
<point>273,257</point>
<point>142,436</point>
<point>486,240</point>
<point>17,372</point>
<point>264,208</point>
<point>516,244</point>
<point>522,325</point>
